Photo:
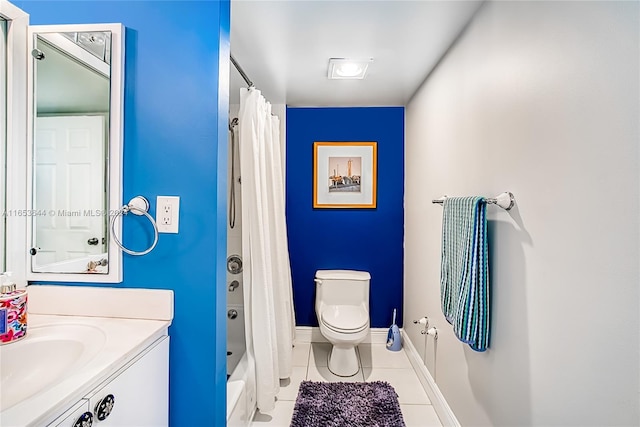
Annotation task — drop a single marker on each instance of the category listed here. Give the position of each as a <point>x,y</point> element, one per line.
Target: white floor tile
<point>319,354</point>
<point>322,373</point>
<point>404,381</point>
<point>301,354</point>
<point>289,387</point>
<point>377,355</point>
<point>420,416</point>
<point>279,417</point>
<point>378,364</point>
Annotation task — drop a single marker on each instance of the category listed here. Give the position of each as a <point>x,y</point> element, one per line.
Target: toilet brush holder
<point>396,344</point>
<point>394,341</point>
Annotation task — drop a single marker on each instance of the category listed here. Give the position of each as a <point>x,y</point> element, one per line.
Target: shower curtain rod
<point>241,71</point>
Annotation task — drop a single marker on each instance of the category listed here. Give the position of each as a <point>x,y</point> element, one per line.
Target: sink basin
<point>63,348</point>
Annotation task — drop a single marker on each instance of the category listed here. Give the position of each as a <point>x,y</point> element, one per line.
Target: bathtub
<point>78,265</point>
<point>236,404</point>
<point>241,402</point>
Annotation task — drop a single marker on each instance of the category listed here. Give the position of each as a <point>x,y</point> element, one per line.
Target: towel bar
<point>505,200</point>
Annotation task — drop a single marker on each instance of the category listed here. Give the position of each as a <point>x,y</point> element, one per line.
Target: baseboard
<point>446,415</point>
<point>306,334</point>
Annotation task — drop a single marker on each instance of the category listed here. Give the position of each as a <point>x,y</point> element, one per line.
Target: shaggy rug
<point>373,404</point>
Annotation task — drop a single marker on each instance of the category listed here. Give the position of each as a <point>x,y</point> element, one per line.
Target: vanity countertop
<point>90,326</point>
<point>123,339</point>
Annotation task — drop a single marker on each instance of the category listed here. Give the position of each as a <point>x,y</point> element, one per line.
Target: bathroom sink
<point>64,348</point>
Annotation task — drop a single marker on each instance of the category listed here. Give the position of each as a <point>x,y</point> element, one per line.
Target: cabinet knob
<point>84,420</point>
<point>104,407</point>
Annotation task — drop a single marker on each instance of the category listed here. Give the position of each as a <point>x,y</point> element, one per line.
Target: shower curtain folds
<point>269,321</point>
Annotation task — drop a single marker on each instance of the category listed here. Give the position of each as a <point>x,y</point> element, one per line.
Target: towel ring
<point>139,205</point>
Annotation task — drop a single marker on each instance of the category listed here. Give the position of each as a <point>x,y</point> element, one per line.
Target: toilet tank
<point>342,287</point>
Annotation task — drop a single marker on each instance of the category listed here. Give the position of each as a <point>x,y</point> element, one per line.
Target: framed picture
<point>344,174</point>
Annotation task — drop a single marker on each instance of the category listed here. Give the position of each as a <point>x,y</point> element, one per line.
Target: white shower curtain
<point>269,316</point>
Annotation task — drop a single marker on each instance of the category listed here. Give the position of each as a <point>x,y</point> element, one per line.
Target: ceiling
<point>284,47</point>
<point>66,85</point>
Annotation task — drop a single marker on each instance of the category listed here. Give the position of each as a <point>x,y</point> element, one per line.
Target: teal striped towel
<point>464,274</point>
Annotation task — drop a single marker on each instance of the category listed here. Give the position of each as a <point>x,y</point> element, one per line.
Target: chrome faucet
<point>92,265</point>
<point>233,285</point>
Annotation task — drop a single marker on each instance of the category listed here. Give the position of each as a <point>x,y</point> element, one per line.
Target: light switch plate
<point>167,213</point>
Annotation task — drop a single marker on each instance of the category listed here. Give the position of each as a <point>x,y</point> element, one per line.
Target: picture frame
<point>345,175</point>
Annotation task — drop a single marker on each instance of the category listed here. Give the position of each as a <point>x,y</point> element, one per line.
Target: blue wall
<point>316,234</point>
<point>176,111</point>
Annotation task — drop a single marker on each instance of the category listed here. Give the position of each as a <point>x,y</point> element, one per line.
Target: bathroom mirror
<point>75,151</point>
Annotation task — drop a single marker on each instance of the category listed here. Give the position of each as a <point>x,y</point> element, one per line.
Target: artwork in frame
<point>344,174</point>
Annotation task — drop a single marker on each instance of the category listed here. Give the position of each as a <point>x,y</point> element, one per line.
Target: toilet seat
<point>344,331</point>
<point>345,319</point>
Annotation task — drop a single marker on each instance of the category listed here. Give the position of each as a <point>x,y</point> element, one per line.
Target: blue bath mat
<point>342,404</point>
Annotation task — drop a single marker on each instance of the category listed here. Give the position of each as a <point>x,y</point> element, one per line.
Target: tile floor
<point>376,364</point>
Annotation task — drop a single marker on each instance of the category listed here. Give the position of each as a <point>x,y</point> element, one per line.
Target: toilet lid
<point>348,318</point>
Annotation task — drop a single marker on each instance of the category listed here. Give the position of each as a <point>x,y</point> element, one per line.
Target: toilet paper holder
<point>422,321</point>
<point>432,331</point>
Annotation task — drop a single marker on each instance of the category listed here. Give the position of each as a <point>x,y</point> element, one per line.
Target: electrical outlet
<point>167,213</point>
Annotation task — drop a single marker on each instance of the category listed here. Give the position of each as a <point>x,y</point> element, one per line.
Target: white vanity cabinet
<point>136,395</point>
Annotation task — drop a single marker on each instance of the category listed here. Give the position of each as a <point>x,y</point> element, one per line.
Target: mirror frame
<point>16,154</point>
<point>114,167</point>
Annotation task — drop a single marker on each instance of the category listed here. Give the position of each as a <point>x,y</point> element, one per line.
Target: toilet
<point>342,307</point>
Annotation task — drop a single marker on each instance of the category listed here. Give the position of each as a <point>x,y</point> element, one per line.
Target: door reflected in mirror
<point>72,142</point>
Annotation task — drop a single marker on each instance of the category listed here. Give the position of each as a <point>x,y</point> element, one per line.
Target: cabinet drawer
<point>69,418</point>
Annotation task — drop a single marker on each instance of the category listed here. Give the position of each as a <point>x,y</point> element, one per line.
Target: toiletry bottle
<point>13,310</point>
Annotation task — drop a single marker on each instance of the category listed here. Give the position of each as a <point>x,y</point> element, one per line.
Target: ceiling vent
<point>344,68</point>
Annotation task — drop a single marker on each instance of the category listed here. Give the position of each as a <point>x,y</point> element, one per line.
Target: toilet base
<point>343,360</point>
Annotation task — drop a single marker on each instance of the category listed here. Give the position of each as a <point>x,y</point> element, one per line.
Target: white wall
<point>541,99</point>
